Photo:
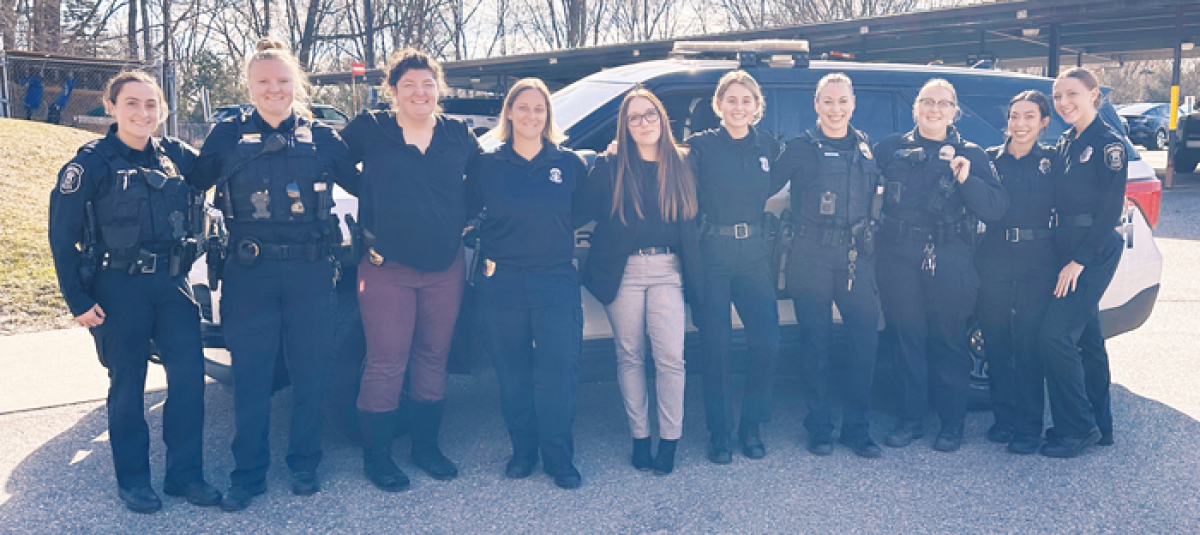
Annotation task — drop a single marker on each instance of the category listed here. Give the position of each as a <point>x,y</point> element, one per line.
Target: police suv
<point>587,112</point>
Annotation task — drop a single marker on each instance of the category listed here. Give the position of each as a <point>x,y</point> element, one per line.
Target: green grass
<point>31,155</point>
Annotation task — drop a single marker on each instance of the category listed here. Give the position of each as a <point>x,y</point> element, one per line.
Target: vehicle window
<point>690,110</point>
<point>578,100</point>
<point>874,113</point>
<point>791,111</point>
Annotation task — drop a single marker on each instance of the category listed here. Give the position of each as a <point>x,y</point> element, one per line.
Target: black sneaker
<point>196,493</point>
<point>950,438</point>
<point>305,483</point>
<point>720,448</point>
<point>140,499</point>
<point>1066,448</point>
<point>862,446</point>
<point>820,444</point>
<point>905,432</point>
<point>1000,433</point>
<point>238,497</point>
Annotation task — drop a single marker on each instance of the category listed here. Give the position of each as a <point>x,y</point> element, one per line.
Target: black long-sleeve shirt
<point>733,176</point>
<point>413,202</point>
<point>1029,182</point>
<point>1095,170</point>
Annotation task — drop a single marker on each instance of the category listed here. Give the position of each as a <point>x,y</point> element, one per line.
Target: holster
<point>218,253</point>
<point>781,249</point>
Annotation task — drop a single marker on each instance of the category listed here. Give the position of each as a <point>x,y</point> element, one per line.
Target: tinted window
<point>874,112</point>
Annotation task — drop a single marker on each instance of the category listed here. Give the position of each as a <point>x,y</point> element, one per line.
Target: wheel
<point>1160,140</point>
<point>979,396</point>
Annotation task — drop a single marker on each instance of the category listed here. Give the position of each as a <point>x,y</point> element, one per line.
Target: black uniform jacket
<point>1029,182</point>
<point>981,192</point>
<point>733,176</point>
<point>1095,170</point>
<point>413,202</point>
<point>613,241</point>
<point>83,179</point>
<point>528,223</point>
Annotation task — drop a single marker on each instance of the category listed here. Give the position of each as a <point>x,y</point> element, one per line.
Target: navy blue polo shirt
<point>1095,170</point>
<point>528,222</point>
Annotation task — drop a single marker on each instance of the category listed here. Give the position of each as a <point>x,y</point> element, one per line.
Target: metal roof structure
<point>1018,33</point>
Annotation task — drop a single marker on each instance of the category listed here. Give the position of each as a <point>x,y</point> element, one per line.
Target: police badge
<point>303,134</point>
<point>946,152</point>
<point>766,164</point>
<point>1085,155</point>
<point>865,150</point>
<point>1044,166</point>
<point>556,176</point>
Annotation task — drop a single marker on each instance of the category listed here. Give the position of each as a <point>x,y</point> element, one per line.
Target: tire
<point>1161,140</point>
<point>979,395</point>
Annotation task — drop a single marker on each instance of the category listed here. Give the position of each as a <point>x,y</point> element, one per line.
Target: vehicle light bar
<point>748,53</point>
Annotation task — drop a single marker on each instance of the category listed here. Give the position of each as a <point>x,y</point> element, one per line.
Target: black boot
<point>426,421</point>
<point>751,441</point>
<point>378,429</point>
<point>664,462</point>
<point>642,460</point>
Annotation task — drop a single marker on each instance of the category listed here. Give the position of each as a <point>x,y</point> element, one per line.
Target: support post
<point>1055,52</point>
<point>1173,111</point>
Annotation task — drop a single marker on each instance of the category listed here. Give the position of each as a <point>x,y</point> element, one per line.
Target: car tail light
<point>1147,196</point>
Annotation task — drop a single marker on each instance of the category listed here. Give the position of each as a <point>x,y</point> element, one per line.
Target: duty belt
<point>146,262</point>
<point>906,231</point>
<point>829,236</point>
<point>283,251</point>
<point>1015,235</point>
<point>1077,220</point>
<point>740,231</point>
<point>647,251</point>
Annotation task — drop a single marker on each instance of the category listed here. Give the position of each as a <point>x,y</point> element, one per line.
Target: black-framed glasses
<point>650,117</point>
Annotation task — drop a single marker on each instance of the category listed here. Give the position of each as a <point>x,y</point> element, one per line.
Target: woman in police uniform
<point>836,197</point>
<point>122,199</point>
<point>732,166</point>
<point>410,284</point>
<point>274,169</point>
<point>1089,199</point>
<point>1017,270</point>
<point>938,188</point>
<point>528,287</point>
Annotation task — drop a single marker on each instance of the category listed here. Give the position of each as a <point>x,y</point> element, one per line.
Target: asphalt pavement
<point>56,471</point>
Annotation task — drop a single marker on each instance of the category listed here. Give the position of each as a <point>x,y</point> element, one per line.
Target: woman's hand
<point>91,318</point>
<point>1067,279</point>
<point>961,168</point>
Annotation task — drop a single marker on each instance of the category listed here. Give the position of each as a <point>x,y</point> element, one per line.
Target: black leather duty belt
<point>647,251</point>
<point>739,231</point>
<point>146,262</point>
<point>1015,235</point>
<point>1077,220</point>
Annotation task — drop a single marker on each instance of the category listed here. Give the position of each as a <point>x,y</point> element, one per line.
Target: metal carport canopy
<point>1107,31</point>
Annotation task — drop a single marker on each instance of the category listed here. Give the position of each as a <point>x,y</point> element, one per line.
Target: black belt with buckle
<point>250,249</point>
<point>146,262</point>
<point>1014,235</point>
<point>1077,220</point>
<point>829,236</point>
<point>739,231</point>
<point>647,251</point>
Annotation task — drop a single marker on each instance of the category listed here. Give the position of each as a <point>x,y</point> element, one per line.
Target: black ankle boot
<point>642,460</point>
<point>751,441</point>
<point>664,462</point>
<point>426,422</point>
<point>378,429</point>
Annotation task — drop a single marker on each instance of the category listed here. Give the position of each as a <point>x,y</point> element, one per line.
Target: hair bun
<point>270,43</point>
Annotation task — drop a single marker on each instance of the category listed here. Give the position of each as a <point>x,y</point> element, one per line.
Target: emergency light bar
<point>748,53</point>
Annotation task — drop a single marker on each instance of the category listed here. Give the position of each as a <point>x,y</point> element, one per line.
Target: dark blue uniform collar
<point>952,136</point>
<point>755,139</point>
<point>286,126</point>
<point>1098,125</point>
<point>1037,151</point>
<point>550,151</point>
<point>128,153</point>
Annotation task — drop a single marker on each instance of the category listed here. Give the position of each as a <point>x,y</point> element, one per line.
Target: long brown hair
<point>676,185</point>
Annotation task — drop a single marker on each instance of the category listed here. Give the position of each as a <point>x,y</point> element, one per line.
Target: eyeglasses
<point>650,117</point>
<point>942,104</point>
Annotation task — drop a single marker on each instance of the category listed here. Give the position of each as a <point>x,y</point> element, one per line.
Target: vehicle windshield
<point>573,103</point>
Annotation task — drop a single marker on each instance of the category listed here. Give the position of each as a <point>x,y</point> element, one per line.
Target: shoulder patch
<point>71,178</point>
<point>1114,156</point>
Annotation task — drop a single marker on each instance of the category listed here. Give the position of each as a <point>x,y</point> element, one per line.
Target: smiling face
<point>137,110</point>
<point>936,109</point>
<point>528,115</point>
<point>1025,122</point>
<point>645,122</point>
<point>835,106</point>
<point>1074,101</point>
<point>739,107</point>
<point>272,88</point>
<point>416,94</point>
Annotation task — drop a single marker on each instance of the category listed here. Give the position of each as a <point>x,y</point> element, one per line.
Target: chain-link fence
<point>59,89</point>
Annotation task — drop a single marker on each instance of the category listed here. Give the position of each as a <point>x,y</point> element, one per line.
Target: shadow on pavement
<point>1147,482</point>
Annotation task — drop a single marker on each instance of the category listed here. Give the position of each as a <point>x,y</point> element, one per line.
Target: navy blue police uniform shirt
<point>87,177</point>
<point>413,202</point>
<point>224,138</point>
<point>1029,182</point>
<point>733,176</point>
<point>800,162</point>
<point>1095,170</point>
<point>528,223</point>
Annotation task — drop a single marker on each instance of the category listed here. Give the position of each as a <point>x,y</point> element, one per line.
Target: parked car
<point>1147,124</point>
<point>325,113</point>
<point>587,111</point>
<point>1187,154</point>
<point>479,113</point>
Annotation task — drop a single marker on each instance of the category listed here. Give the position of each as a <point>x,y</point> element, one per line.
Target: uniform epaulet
<point>90,147</point>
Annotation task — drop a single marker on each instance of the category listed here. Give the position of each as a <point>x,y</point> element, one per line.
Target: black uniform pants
<point>817,277</point>
<point>737,273</point>
<point>1072,342</point>
<point>533,328</point>
<point>140,308</point>
<point>276,305</point>
<point>1013,297</point>
<point>928,313</point>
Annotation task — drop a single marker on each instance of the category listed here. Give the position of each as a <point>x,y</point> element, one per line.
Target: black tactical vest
<point>921,188</point>
<point>290,185</point>
<point>145,208</point>
<point>840,194</point>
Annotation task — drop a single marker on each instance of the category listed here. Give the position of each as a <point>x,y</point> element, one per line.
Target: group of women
<point>675,224</point>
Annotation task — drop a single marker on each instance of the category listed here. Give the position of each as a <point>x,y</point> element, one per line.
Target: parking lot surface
<point>56,472</point>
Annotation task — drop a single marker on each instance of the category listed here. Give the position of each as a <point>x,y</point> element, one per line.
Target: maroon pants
<point>408,318</point>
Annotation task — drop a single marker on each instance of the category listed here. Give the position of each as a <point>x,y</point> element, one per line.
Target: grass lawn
<point>31,154</point>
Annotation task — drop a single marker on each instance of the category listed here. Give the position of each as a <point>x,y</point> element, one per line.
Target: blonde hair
<point>113,88</point>
<point>833,78</point>
<point>269,48</point>
<point>934,83</point>
<point>1087,79</point>
<point>550,132</point>
<point>747,81</point>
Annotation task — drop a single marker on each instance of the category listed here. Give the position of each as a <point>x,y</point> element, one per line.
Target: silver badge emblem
<point>556,176</point>
<point>72,177</point>
<point>304,134</point>
<point>1044,166</point>
<point>865,150</point>
<point>1114,154</point>
<point>946,152</point>
<point>766,164</point>
<point>1085,155</point>
<point>261,200</point>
